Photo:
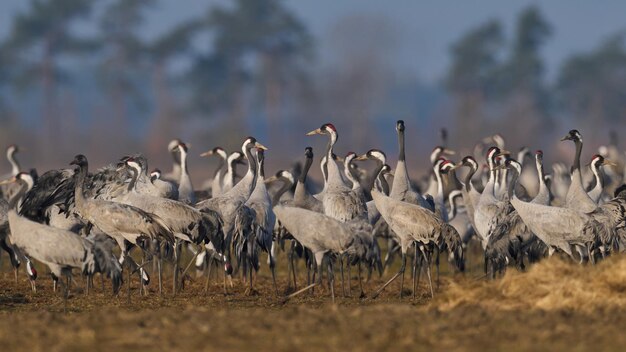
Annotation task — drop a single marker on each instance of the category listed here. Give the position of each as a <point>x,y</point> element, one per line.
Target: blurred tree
<point>124,55</point>
<point>593,85</point>
<point>257,44</point>
<point>174,43</point>
<point>472,76</point>
<point>37,39</point>
<point>524,69</point>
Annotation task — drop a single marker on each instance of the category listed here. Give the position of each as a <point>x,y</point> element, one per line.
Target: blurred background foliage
<point>82,76</point>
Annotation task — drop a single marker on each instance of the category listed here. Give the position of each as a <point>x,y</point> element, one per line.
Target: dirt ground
<point>556,305</point>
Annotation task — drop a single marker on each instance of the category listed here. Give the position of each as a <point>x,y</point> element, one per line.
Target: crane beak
<point>566,138</point>
<point>340,159</point>
<point>6,182</point>
<point>447,151</point>
<point>499,167</point>
<point>503,152</point>
<point>316,131</point>
<point>609,163</point>
<point>260,146</point>
<point>271,179</point>
<point>361,157</point>
<point>209,153</point>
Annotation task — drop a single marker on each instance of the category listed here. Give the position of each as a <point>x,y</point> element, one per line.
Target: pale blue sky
<point>425,29</point>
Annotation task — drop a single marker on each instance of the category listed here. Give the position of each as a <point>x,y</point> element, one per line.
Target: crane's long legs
<point>176,256</point>
<point>430,281</point>
<point>128,278</point>
<point>349,267</point>
<point>273,268</point>
<point>400,272</point>
<point>415,268</point>
<point>437,266</point>
<point>208,275</point>
<point>66,294</point>
<point>361,293</point>
<point>331,279</point>
<point>343,288</point>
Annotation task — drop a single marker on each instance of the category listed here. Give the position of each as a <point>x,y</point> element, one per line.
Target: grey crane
<point>229,177</point>
<point>339,201</point>
<point>185,187</point>
<point>152,184</point>
<point>63,250</point>
<point>324,235</point>
<point>437,153</point>
<point>471,196</point>
<point>174,175</point>
<point>413,224</point>
<point>123,222</point>
<point>184,221</point>
<point>301,197</point>
<point>216,182</point>
<point>558,228</point>
<point>262,224</point>
<point>401,188</point>
<point>576,197</point>
<point>229,203</point>
<point>511,237</point>
<point>487,206</point>
<point>597,162</point>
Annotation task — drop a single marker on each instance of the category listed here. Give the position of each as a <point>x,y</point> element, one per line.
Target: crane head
<point>573,135</point>
<point>79,160</point>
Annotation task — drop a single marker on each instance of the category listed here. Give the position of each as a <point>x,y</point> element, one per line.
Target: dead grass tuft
<point>553,284</point>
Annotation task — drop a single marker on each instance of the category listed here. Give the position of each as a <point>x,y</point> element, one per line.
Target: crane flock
<point>70,219</point>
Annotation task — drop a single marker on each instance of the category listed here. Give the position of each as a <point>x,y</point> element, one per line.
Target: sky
<point>424,30</point>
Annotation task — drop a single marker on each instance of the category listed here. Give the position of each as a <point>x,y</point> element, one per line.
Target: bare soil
<point>556,305</point>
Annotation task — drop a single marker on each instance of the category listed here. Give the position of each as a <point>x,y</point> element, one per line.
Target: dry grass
<point>553,284</point>
<point>551,307</point>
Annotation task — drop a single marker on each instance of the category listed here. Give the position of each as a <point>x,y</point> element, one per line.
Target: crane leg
<point>430,281</point>
<point>175,278</point>
<point>159,264</point>
<point>361,294</point>
<point>331,279</point>
<point>128,278</point>
<point>208,274</point>
<point>66,294</point>
<point>437,266</point>
<point>415,259</point>
<point>349,267</point>
<point>400,272</point>
<point>292,259</point>
<point>343,288</point>
<point>273,268</point>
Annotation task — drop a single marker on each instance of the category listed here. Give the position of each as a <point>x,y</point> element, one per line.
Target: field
<point>556,305</point>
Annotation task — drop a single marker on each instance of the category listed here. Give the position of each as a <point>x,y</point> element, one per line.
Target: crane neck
<point>133,180</point>
<point>351,174</point>
<point>401,156</point>
<point>79,196</point>
<point>437,171</point>
<point>17,197</point>
<point>384,185</point>
<point>597,174</point>
<point>15,166</point>
<point>252,167</point>
<point>307,165</point>
<point>541,173</point>
<point>453,209</point>
<point>260,154</point>
<point>468,178</point>
<point>579,148</point>
<point>220,165</point>
<point>377,171</point>
<point>284,188</point>
<point>176,169</point>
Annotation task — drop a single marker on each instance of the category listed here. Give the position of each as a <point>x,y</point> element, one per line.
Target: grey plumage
<point>63,250</point>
